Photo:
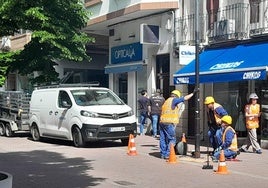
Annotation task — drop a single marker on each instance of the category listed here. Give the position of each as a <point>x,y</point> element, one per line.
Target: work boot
<point>258,151</point>
<point>214,159</point>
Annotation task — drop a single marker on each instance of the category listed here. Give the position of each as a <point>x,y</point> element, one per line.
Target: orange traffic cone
<point>222,168</point>
<point>129,138</point>
<point>172,155</point>
<point>131,146</point>
<point>183,139</point>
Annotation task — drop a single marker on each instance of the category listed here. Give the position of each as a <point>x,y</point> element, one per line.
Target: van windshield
<point>89,97</point>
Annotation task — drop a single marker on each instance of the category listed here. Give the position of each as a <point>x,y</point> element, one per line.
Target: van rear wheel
<point>35,133</point>
<point>77,138</point>
<point>2,129</point>
<point>9,132</point>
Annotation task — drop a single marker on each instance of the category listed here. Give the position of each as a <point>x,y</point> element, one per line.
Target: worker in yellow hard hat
<point>215,112</point>
<point>229,140</point>
<point>169,119</point>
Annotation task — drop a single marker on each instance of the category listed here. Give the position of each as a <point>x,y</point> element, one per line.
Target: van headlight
<point>130,113</point>
<point>89,114</point>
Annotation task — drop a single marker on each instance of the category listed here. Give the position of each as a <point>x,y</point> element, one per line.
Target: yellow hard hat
<point>209,100</point>
<point>176,92</point>
<point>227,119</point>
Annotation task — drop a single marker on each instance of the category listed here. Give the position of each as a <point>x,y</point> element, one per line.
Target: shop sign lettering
<point>231,65</point>
<point>252,75</point>
<point>124,53</point>
<point>184,80</point>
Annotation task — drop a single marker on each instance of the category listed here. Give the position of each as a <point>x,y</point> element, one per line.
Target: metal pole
<point>197,115</point>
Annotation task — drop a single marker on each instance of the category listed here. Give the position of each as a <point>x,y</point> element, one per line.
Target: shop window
<point>233,97</point>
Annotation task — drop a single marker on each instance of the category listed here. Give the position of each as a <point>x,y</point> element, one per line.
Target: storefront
<point>126,62</point>
<point>230,74</point>
<point>140,57</point>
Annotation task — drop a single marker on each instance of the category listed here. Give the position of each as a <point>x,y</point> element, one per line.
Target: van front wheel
<point>124,141</point>
<point>77,137</point>
<point>35,133</point>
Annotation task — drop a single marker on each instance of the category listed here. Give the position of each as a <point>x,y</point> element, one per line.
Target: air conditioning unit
<point>224,28</point>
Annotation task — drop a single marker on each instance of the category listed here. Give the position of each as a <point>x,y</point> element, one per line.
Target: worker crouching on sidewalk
<point>169,119</point>
<point>229,140</point>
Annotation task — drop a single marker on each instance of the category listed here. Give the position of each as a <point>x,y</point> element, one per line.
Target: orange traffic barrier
<point>131,146</point>
<point>183,139</point>
<point>172,155</point>
<point>222,168</point>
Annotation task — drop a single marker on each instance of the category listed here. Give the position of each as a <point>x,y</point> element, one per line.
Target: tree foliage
<point>56,35</point>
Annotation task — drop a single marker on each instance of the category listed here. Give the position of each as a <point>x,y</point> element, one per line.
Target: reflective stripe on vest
<point>252,122</point>
<point>233,145</point>
<point>168,115</point>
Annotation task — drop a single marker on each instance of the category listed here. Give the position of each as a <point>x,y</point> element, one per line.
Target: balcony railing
<point>228,23</point>
<point>231,23</point>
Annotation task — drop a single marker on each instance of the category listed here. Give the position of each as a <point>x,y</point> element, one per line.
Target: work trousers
<point>252,140</point>
<point>167,137</point>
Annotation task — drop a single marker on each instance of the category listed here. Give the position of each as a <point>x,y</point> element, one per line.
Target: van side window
<point>64,99</point>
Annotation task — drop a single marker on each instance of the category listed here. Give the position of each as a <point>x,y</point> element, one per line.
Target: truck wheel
<point>124,141</point>
<point>77,137</point>
<point>2,129</point>
<point>35,133</point>
<point>9,132</point>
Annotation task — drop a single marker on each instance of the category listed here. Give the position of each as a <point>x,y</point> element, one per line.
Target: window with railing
<point>254,10</point>
<point>258,17</point>
<point>217,24</point>
<point>231,23</point>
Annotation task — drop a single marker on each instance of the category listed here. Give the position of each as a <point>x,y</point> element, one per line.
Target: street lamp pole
<point>197,111</point>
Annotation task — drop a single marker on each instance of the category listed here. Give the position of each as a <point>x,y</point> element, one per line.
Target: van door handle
<point>50,112</point>
<point>56,113</point>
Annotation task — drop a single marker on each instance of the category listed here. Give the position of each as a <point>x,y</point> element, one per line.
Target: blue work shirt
<point>221,111</point>
<point>176,101</point>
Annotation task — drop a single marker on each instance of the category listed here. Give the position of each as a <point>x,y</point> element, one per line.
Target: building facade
<point>221,24</point>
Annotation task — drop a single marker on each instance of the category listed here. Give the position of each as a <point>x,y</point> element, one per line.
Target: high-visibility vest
<point>169,115</point>
<point>252,122</point>
<point>233,145</point>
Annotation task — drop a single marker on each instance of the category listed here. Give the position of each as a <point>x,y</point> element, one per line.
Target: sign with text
<point>187,54</point>
<point>126,53</point>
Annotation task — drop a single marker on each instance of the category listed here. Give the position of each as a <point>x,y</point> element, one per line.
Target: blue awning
<point>123,67</point>
<point>243,62</point>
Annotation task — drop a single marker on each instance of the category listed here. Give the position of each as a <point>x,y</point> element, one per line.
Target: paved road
<point>57,164</point>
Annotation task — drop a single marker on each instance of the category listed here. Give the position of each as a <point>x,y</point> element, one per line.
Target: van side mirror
<point>65,104</point>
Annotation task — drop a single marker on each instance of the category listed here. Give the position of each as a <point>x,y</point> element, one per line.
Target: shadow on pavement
<point>47,169</point>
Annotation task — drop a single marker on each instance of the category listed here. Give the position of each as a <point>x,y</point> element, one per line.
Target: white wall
<point>108,6</point>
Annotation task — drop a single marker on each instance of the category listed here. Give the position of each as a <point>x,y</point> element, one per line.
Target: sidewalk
<point>248,164</point>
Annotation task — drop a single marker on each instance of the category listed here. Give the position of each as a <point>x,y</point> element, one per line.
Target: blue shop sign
<point>126,53</point>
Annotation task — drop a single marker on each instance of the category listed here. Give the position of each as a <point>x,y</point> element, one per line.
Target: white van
<point>80,114</point>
